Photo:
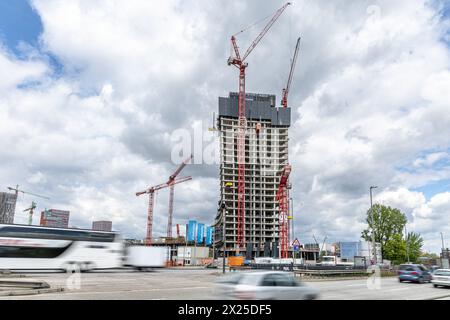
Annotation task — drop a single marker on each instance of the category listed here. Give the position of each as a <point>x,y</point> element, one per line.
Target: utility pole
<point>443,246</point>
<point>407,244</point>
<point>223,237</point>
<point>292,218</point>
<point>373,226</point>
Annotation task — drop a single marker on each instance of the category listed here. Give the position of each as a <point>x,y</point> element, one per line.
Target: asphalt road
<point>199,284</point>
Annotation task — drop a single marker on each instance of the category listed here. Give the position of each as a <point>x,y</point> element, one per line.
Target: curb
<point>29,292</point>
<point>28,284</point>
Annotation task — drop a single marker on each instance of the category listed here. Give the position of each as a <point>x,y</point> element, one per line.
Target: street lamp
<point>291,217</point>
<point>373,226</point>
<point>407,244</point>
<point>224,212</point>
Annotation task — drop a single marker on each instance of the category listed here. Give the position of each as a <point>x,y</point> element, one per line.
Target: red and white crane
<point>239,63</point>
<point>171,184</point>
<point>285,93</point>
<point>151,201</point>
<point>283,202</point>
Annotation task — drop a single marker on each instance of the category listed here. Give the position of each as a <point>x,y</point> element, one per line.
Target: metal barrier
<point>330,273</point>
<point>314,270</point>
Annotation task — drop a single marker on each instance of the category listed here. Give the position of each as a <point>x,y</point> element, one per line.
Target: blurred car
<point>433,268</point>
<point>441,277</point>
<point>269,285</point>
<point>414,273</point>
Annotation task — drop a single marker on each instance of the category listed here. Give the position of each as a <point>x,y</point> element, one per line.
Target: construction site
<point>253,217</point>
<point>254,213</point>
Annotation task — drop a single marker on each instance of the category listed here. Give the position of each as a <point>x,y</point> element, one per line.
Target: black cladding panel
<point>257,107</point>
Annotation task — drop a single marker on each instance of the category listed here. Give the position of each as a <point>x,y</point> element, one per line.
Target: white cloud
<point>370,97</point>
<point>18,72</point>
<point>430,159</point>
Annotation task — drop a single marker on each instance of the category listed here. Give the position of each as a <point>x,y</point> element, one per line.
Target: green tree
<point>429,255</point>
<point>395,249</point>
<point>414,243</point>
<point>387,223</point>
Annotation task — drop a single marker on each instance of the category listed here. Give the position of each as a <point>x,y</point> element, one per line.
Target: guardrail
<point>314,270</point>
<point>330,273</point>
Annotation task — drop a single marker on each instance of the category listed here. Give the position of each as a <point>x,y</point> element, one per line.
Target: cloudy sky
<point>91,93</point>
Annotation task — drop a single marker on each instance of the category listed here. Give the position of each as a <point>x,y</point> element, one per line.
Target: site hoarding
<point>200,232</point>
<point>191,230</point>
<point>209,236</point>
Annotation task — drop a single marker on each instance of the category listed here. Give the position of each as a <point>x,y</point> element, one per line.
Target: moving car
<point>146,257</point>
<point>433,268</point>
<point>441,277</point>
<point>269,285</point>
<point>414,273</point>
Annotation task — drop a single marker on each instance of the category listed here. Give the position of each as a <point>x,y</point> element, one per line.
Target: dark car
<point>414,273</point>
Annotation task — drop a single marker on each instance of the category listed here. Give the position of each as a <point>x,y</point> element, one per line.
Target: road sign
<point>296,242</point>
<point>296,248</point>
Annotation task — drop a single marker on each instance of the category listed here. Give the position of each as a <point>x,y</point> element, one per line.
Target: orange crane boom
<point>239,63</point>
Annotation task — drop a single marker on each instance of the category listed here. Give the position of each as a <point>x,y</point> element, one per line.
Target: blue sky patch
<point>19,22</point>
<point>434,188</point>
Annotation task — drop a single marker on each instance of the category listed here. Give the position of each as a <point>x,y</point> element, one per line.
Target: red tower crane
<point>285,93</point>
<point>239,63</point>
<point>151,192</point>
<point>171,184</point>
<point>283,202</point>
<point>151,201</point>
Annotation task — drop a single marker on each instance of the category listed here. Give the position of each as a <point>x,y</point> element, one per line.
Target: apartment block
<point>7,207</point>
<point>102,226</point>
<point>55,218</point>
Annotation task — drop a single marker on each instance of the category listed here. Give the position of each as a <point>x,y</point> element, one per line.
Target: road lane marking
<point>398,289</point>
<point>128,291</point>
<point>356,285</point>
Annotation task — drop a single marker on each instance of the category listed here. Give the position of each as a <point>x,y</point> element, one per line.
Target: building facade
<point>102,226</point>
<point>266,154</point>
<point>7,207</point>
<point>55,218</point>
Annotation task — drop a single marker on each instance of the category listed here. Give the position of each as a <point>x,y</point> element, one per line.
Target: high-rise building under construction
<point>266,154</point>
<point>7,207</point>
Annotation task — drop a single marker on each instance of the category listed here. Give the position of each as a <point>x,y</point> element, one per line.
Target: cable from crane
<point>255,23</point>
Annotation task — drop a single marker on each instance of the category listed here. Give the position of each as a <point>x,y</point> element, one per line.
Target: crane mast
<point>171,184</point>
<point>151,201</point>
<point>238,62</point>
<point>282,198</point>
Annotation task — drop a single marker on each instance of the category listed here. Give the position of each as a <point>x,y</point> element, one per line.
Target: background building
<point>266,154</point>
<point>55,218</point>
<point>7,207</point>
<point>350,250</point>
<point>102,225</point>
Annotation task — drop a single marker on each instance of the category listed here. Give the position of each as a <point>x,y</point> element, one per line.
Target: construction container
<point>236,261</point>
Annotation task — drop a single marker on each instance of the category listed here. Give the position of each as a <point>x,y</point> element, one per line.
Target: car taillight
<point>244,295</point>
<point>400,272</point>
<point>414,273</point>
